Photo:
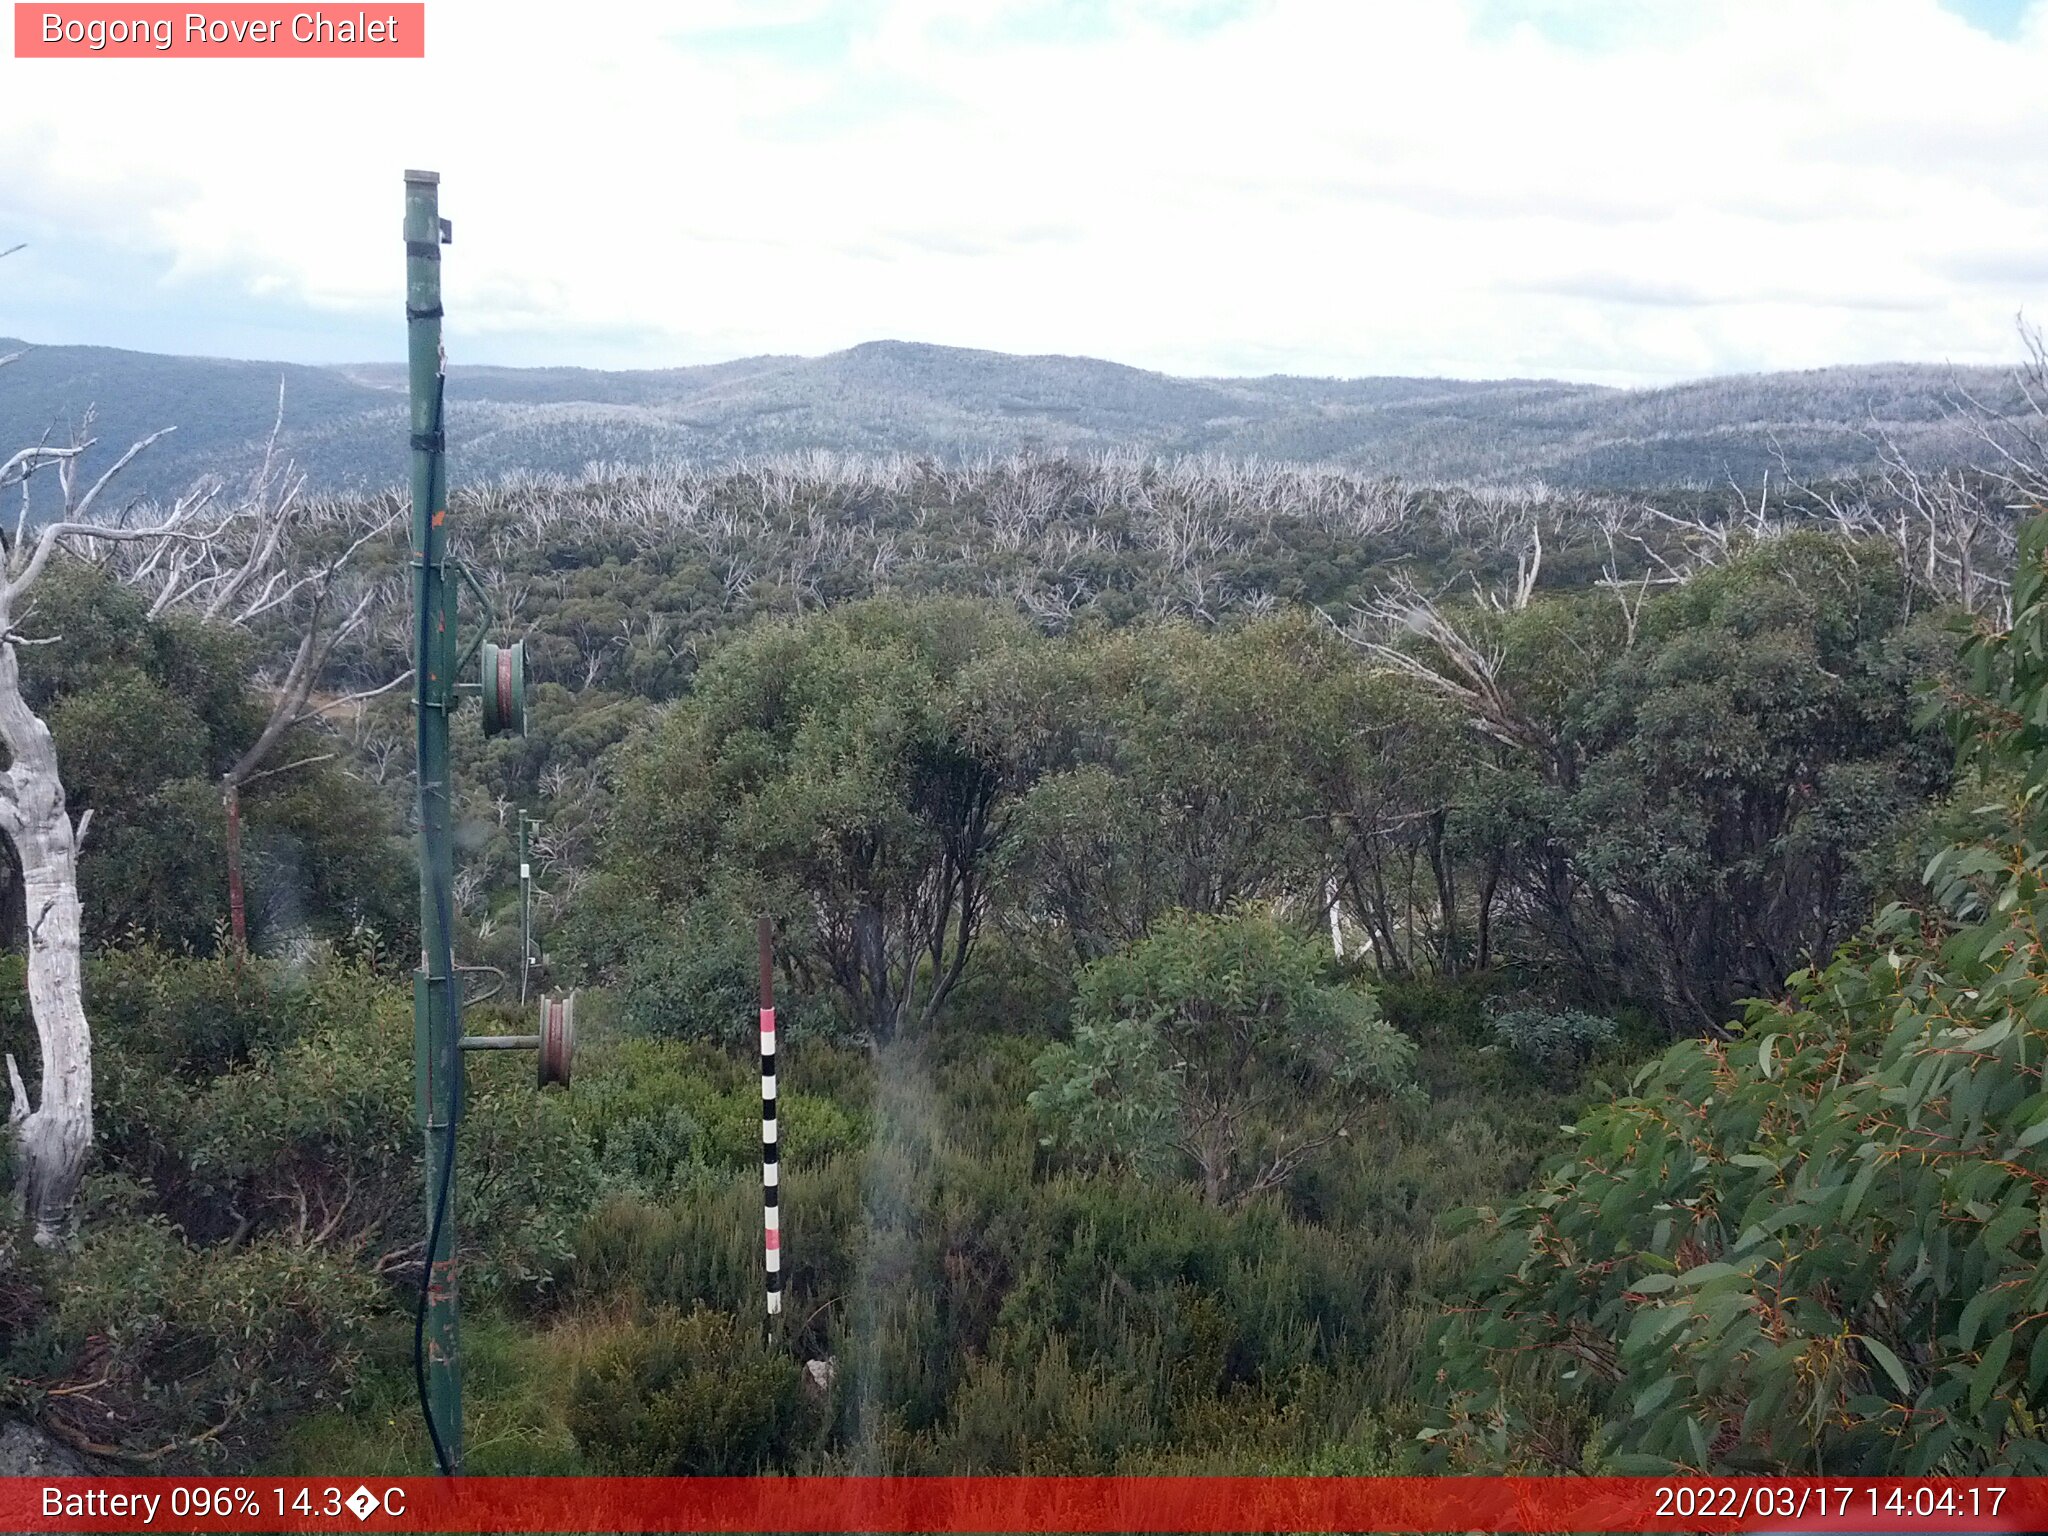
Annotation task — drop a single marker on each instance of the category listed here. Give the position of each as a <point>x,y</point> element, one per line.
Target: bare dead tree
<point>1452,660</point>
<point>1630,594</point>
<point>1953,529</point>
<point>1528,566</point>
<point>54,1134</point>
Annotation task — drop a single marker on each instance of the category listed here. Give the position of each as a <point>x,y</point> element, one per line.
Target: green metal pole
<point>437,1024</point>
<point>525,910</point>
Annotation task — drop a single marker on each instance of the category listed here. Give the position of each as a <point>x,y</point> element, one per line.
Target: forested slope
<point>1190,883</point>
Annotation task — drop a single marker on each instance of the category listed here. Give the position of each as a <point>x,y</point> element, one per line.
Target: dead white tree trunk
<point>54,1134</point>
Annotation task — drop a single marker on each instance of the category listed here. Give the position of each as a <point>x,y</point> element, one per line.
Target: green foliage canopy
<point>832,771</point>
<point>147,713</point>
<point>1185,779</point>
<point>1819,1246</point>
<point>1217,1044</point>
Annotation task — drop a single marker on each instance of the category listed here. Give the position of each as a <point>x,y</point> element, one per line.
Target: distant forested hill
<point>345,425</point>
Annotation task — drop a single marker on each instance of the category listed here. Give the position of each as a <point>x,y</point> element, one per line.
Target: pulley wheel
<point>504,688</point>
<point>557,1038</point>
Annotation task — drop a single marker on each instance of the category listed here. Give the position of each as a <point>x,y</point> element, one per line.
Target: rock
<point>26,1451</point>
<point>818,1375</point>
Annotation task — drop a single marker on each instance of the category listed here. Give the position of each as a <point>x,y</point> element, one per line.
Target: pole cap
<point>424,178</point>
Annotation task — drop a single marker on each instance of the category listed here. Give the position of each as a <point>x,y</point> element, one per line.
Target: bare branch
<point>298,682</point>
<point>28,460</point>
<point>77,509</point>
<point>55,533</point>
<point>1452,663</point>
<point>303,762</point>
<point>320,710</point>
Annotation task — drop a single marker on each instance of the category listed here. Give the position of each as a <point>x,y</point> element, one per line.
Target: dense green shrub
<point>258,1194</point>
<point>325,855</point>
<point>1817,1246</point>
<point>696,979</point>
<point>1554,1038</point>
<point>200,1351</point>
<point>692,974</point>
<point>655,1111</point>
<point>1217,1044</point>
<point>1124,1325</point>
<point>693,1395</point>
<point>1174,768</point>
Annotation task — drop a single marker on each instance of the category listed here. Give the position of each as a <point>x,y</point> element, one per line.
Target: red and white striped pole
<point>771,1161</point>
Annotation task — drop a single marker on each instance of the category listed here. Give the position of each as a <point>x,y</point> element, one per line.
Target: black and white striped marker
<point>771,1163</point>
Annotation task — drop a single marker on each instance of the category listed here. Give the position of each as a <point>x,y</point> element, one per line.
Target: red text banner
<point>227,31</point>
<point>1024,1504</point>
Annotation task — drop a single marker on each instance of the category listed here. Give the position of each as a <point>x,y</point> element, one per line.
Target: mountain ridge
<point>344,424</point>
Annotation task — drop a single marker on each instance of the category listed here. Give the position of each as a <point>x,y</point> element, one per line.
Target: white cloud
<point>1310,185</point>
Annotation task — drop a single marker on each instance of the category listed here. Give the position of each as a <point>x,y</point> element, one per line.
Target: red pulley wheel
<point>502,684</point>
<point>557,1038</point>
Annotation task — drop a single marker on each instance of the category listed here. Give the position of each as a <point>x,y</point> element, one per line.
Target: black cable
<point>419,1322</point>
<point>444,908</point>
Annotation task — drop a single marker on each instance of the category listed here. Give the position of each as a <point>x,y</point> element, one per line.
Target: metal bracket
<point>488,622</point>
<point>556,1042</point>
<point>482,997</point>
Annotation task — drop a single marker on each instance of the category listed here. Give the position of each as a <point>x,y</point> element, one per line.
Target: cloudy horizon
<point>1615,191</point>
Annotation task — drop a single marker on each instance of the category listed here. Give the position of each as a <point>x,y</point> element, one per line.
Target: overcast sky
<point>1625,192</point>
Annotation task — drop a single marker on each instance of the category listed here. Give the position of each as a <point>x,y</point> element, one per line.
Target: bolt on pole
<point>437,1003</point>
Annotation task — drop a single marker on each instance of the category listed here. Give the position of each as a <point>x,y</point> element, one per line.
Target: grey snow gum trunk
<point>54,1138</point>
